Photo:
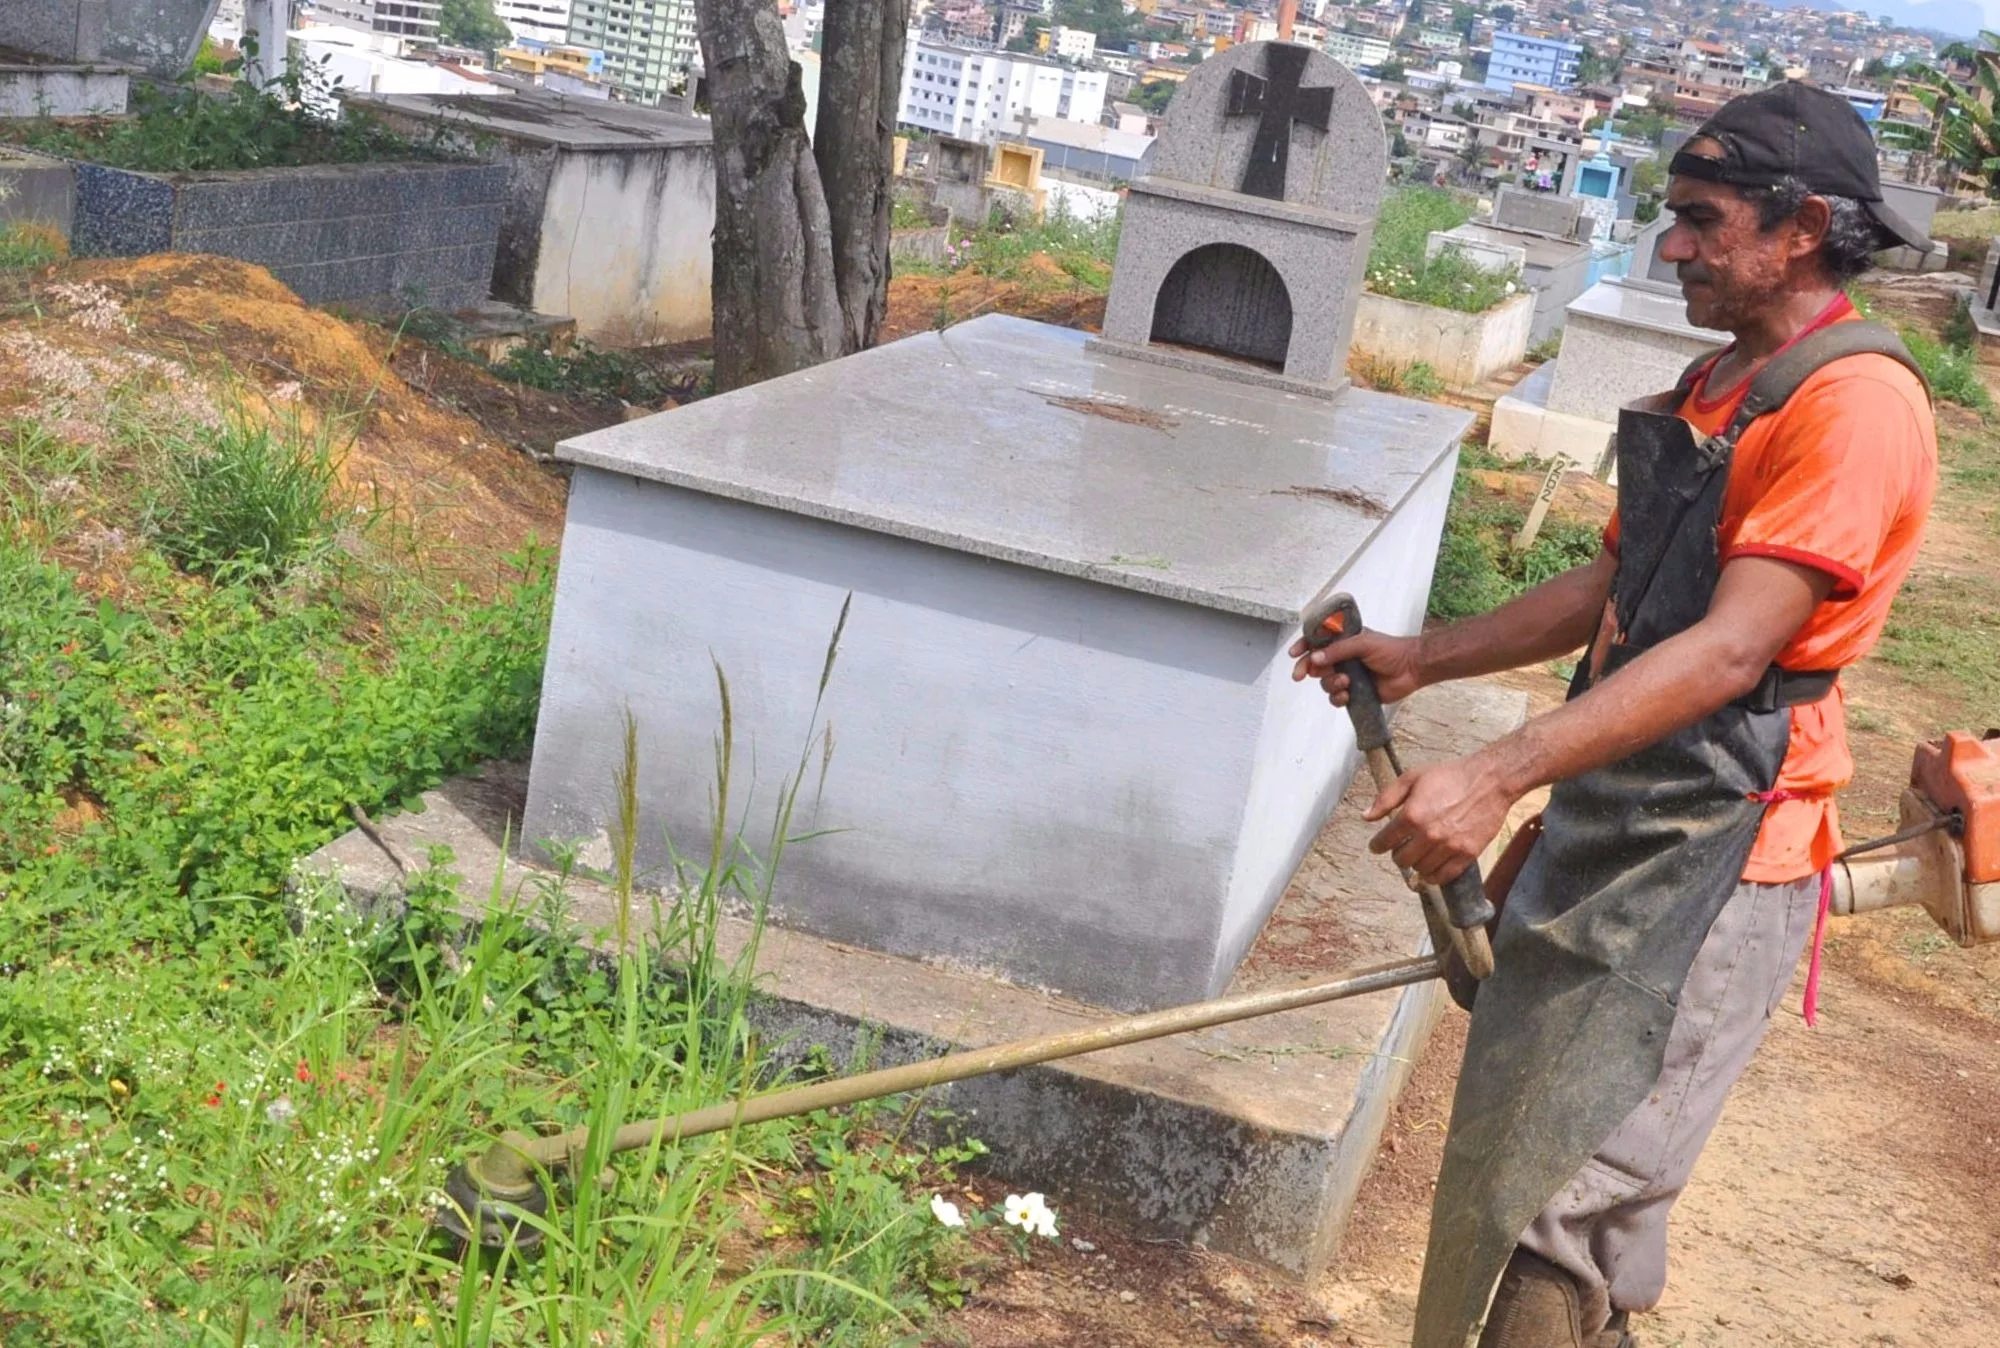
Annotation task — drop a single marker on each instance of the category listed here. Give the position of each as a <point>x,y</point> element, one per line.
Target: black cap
<point>1795,130</point>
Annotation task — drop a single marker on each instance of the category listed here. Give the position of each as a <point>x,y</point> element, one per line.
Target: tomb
<point>1917,204</point>
<point>608,210</point>
<point>1624,338</point>
<point>55,62</point>
<point>1067,750</point>
<point>1264,184</point>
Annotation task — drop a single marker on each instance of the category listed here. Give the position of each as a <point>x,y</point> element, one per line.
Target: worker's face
<point>1730,270</point>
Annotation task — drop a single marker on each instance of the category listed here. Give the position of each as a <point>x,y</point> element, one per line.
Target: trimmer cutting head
<point>489,1197</point>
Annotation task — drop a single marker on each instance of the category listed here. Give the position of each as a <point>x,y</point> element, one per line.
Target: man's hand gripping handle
<point>1462,901</point>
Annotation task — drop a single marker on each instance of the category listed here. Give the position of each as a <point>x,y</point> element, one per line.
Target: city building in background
<point>970,92</point>
<point>649,46</point>
<point>1521,59</point>
<point>541,20</point>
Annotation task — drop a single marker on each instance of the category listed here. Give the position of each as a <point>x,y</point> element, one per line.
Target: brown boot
<point>1537,1306</point>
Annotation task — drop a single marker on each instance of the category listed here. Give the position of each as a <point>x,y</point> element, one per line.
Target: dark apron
<point>1635,861</point>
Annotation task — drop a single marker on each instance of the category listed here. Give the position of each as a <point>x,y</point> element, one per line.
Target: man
<point>1769,509</point>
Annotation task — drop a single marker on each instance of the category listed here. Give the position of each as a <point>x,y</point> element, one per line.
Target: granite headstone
<point>1245,248</point>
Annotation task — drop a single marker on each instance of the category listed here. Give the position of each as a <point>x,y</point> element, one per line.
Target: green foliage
<point>1154,95</point>
<point>246,497</point>
<point>1083,249</point>
<point>180,129</point>
<point>1109,19</point>
<point>231,1098</point>
<point>1397,265</point>
<point>582,368</point>
<point>1477,567</point>
<point>472,23</point>
<point>867,1226</point>
<point>1964,130</point>
<point>1953,373</point>
<point>209,59</point>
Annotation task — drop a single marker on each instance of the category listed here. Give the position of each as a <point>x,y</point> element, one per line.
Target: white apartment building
<point>1355,49</point>
<point>1074,44</point>
<point>649,45</point>
<point>968,92</point>
<point>541,20</point>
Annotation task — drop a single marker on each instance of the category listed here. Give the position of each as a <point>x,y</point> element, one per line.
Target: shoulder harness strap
<point>1775,384</point>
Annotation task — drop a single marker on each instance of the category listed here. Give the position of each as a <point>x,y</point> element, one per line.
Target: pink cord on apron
<point>1825,905</point>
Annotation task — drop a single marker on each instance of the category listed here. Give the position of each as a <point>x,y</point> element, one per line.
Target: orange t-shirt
<point>1839,479</point>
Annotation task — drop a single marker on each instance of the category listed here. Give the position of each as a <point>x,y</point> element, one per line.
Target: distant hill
<point>1958,18</point>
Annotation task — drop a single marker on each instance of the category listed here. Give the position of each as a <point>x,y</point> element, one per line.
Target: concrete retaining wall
<point>1462,348</point>
<point>408,233</point>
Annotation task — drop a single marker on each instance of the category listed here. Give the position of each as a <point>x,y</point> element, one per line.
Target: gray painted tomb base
<point>1251,1139</point>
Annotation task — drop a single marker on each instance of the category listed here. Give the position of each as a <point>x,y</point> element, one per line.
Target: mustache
<point>1692,271</point>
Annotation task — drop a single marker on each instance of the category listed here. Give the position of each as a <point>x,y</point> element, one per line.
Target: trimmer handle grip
<point>1465,901</point>
<point>1335,618</point>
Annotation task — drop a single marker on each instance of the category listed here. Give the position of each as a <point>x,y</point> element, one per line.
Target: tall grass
<point>249,494</point>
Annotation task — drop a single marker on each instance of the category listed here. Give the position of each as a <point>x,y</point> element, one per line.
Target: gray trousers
<point>1608,1226</point>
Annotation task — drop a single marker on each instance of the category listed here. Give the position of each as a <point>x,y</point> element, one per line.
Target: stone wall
<point>1462,348</point>
<point>421,233</point>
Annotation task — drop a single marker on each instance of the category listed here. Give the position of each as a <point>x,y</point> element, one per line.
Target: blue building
<point>1520,59</point>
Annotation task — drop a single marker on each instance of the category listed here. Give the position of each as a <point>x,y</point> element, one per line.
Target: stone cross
<point>1276,100</point>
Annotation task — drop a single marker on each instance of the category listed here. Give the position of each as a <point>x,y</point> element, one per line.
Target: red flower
<point>302,1073</point>
<point>213,1101</point>
<point>34,1149</point>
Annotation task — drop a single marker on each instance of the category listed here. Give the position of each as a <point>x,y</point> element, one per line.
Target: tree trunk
<point>861,81</point>
<point>776,306</point>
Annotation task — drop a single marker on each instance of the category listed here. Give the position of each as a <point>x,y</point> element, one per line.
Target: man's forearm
<point>1759,604</point>
<point>1556,617</point>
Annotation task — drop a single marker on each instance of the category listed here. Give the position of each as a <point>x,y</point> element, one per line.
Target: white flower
<point>945,1211</point>
<point>281,1110</point>
<point>1031,1213</point>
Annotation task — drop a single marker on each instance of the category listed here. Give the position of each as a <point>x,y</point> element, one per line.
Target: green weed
<point>177,128</point>
<point>247,495</point>
<point>1944,632</point>
<point>1953,373</point>
<point>1397,266</point>
<point>1082,248</point>
<point>231,1098</point>
<point>584,369</point>
<point>1477,566</point>
<point>26,246</point>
